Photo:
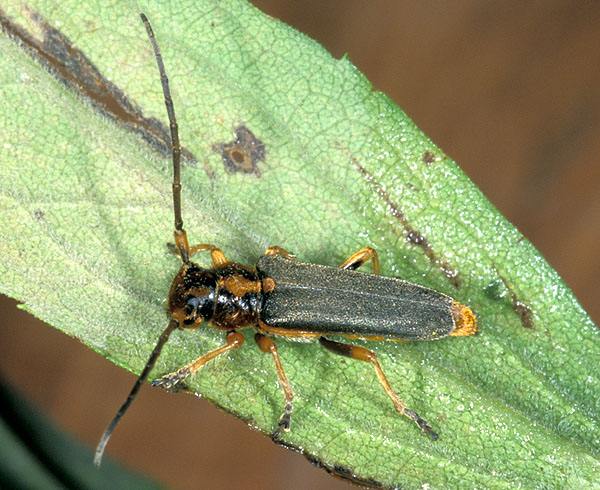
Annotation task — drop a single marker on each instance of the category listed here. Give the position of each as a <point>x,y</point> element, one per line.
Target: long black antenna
<point>162,340</point>
<point>180,240</point>
<point>180,235</point>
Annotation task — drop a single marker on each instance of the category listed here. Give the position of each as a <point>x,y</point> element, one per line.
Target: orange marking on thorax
<point>268,285</point>
<point>240,286</point>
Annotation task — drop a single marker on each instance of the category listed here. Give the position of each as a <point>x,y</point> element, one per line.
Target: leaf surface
<point>88,213</point>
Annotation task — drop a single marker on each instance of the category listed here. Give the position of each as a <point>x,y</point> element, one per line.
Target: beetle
<point>284,297</point>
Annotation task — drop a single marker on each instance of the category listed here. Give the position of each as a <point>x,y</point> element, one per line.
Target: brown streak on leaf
<point>521,309</point>
<point>59,55</point>
<point>412,235</point>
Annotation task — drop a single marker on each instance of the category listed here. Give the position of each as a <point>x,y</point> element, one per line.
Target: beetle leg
<point>181,241</point>
<point>279,251</point>
<point>362,354</point>
<point>360,257</point>
<point>217,256</point>
<point>267,345</point>
<point>169,381</point>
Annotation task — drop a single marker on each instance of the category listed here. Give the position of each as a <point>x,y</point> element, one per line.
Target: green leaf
<point>88,213</point>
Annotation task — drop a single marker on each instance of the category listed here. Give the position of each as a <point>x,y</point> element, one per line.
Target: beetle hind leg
<point>422,423</point>
<point>362,354</point>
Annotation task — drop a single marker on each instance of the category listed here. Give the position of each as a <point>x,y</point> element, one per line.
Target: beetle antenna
<point>180,234</point>
<point>180,240</point>
<point>134,391</point>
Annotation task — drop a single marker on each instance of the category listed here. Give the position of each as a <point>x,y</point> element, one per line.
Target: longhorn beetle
<point>283,297</point>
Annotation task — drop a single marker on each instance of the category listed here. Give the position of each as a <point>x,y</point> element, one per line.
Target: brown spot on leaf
<point>428,158</point>
<point>74,69</point>
<point>243,153</point>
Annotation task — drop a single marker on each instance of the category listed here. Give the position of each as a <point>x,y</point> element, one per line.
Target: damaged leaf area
<point>242,154</point>
<point>323,167</point>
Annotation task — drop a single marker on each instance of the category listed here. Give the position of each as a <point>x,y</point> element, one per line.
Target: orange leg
<point>169,381</point>
<point>360,257</point>
<point>279,251</point>
<point>217,256</point>
<point>268,346</point>
<point>181,242</point>
<point>185,251</point>
<point>362,354</point>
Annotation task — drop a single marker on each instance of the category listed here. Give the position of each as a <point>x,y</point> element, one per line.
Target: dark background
<point>509,89</point>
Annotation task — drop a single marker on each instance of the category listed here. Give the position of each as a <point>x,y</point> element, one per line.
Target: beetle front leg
<point>268,346</point>
<point>217,256</point>
<point>362,354</point>
<point>170,381</point>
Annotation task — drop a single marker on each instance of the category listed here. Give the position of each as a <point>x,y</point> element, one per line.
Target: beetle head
<point>192,296</point>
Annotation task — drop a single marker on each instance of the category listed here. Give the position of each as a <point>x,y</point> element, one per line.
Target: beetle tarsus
<point>284,421</point>
<point>170,382</point>
<point>423,425</point>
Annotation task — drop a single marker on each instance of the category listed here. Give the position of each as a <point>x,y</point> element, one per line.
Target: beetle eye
<point>198,308</point>
<point>191,309</point>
